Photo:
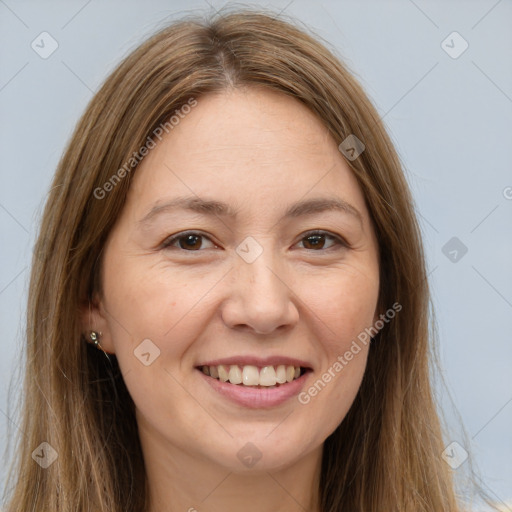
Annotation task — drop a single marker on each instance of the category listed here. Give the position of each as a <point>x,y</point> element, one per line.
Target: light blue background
<point>451,120</point>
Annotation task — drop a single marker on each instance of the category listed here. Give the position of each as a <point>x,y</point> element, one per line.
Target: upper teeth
<point>252,376</point>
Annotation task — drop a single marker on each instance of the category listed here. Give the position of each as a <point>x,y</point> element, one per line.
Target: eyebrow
<point>217,208</point>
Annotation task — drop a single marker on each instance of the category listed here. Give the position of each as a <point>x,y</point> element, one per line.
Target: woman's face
<point>212,263</point>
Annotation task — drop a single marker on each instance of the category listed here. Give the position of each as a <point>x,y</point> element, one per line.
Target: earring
<point>94,337</point>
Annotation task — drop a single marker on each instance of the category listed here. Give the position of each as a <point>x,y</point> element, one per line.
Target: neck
<point>178,481</point>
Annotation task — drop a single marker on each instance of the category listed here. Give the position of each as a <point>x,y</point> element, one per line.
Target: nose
<point>260,298</point>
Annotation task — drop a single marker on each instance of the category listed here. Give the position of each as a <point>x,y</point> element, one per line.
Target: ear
<point>379,310</point>
<point>95,318</point>
<point>376,318</point>
<point>376,313</point>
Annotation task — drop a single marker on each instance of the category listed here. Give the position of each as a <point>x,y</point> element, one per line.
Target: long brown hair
<point>386,454</point>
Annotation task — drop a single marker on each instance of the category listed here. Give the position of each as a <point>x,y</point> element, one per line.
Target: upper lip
<point>257,361</point>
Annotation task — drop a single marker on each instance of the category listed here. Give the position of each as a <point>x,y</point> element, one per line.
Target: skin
<point>259,151</point>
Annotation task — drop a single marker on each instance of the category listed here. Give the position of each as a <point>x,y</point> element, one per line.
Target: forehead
<point>257,145</point>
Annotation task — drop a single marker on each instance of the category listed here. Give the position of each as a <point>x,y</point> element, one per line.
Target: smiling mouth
<point>252,376</point>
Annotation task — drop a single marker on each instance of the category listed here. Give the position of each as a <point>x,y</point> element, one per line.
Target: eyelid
<point>339,239</point>
<point>167,243</point>
<point>341,242</point>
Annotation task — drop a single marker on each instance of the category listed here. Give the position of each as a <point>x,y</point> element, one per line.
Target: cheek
<point>345,304</point>
<point>155,314</point>
<point>154,300</point>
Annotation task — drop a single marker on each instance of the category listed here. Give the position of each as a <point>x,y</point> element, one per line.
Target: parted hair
<point>386,453</point>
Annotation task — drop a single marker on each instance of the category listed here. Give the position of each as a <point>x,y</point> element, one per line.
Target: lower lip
<point>257,398</point>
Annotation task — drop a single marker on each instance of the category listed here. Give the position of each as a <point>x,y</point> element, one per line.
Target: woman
<point>229,304</point>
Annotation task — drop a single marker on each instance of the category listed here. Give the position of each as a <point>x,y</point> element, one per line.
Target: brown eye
<point>191,242</point>
<point>317,241</point>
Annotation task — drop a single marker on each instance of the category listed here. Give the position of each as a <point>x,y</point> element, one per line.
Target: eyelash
<point>168,242</point>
